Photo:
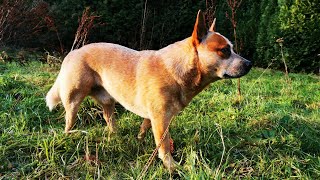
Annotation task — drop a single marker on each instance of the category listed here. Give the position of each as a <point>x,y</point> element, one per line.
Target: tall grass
<point>273,133</point>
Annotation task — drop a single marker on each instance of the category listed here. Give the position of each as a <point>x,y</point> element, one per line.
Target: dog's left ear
<point>213,26</point>
<point>200,29</point>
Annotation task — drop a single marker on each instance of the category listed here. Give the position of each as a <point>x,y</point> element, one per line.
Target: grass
<point>273,133</point>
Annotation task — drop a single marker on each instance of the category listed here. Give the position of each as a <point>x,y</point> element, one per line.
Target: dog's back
<point>125,75</point>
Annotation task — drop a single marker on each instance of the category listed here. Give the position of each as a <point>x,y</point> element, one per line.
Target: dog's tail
<point>53,97</point>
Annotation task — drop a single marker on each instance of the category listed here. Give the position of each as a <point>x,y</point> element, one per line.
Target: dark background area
<point>51,25</point>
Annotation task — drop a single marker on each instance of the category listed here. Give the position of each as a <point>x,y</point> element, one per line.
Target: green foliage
<point>259,25</point>
<point>273,133</point>
<point>300,27</point>
<point>266,47</point>
<point>165,21</point>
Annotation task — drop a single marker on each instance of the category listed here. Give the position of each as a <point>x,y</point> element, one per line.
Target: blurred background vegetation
<point>51,25</point>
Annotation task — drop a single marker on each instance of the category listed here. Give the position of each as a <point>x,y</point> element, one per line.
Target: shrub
<point>22,22</point>
<point>300,28</point>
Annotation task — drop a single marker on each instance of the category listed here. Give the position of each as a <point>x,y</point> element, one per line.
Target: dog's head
<point>215,52</point>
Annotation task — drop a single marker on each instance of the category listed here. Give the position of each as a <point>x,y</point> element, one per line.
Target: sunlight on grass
<point>273,133</point>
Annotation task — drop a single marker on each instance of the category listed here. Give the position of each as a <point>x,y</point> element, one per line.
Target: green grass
<point>273,133</point>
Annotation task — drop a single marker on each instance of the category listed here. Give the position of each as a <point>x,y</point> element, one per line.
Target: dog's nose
<point>248,64</point>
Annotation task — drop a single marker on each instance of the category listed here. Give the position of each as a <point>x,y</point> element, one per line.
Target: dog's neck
<point>182,62</point>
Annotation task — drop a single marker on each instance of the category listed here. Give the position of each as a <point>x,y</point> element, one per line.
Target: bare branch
<point>86,23</point>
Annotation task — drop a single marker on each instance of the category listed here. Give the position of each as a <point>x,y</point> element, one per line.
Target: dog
<point>155,85</point>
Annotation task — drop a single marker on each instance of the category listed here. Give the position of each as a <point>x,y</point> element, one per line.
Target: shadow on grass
<point>283,144</point>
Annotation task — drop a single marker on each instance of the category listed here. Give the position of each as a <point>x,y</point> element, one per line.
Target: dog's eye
<point>226,51</point>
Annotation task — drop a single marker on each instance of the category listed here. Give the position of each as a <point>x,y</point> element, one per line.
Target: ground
<point>272,133</point>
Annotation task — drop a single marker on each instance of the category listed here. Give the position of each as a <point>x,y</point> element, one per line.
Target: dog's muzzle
<point>239,69</point>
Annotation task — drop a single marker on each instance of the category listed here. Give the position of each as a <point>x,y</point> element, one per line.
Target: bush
<point>259,25</point>
<point>23,22</point>
<point>266,48</point>
<point>300,28</point>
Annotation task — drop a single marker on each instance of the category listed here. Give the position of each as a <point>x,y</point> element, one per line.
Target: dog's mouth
<point>241,72</point>
<point>228,76</point>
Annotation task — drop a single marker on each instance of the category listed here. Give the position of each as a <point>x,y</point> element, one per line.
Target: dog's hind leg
<point>144,127</point>
<point>108,115</point>
<point>71,104</point>
<point>108,104</point>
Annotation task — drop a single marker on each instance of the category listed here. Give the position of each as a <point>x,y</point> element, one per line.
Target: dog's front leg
<point>159,125</point>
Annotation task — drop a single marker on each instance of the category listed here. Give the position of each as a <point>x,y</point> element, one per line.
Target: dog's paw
<point>67,131</point>
<point>170,163</point>
<point>111,129</point>
<point>141,135</point>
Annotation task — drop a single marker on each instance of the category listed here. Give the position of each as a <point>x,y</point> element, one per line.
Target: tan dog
<point>155,85</point>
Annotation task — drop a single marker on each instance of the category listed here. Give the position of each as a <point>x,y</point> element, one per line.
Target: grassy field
<point>273,133</point>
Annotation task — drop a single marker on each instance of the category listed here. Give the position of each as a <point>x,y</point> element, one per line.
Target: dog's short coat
<point>155,85</point>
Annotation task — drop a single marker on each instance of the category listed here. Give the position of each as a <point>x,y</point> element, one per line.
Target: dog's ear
<point>213,26</point>
<point>200,29</point>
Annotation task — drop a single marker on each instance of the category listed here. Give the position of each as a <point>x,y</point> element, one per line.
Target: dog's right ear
<point>200,29</point>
